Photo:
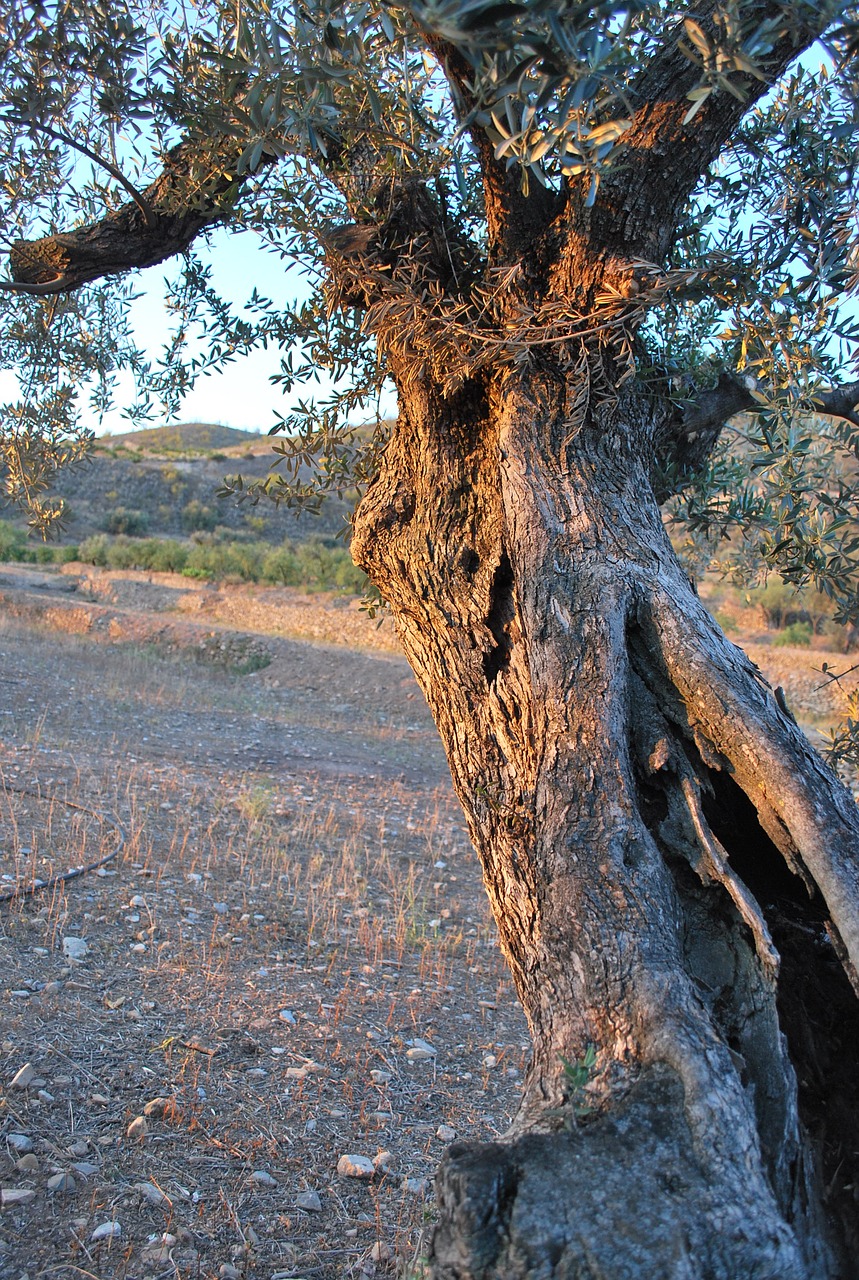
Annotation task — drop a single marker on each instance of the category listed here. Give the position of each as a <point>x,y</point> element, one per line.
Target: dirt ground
<point>287,960</point>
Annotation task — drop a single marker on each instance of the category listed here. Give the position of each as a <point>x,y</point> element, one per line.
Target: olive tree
<point>579,240</point>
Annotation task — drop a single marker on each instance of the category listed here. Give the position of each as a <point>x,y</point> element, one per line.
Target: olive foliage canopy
<point>128,132</point>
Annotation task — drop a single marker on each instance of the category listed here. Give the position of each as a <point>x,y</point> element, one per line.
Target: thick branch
<point>687,439</point>
<point>194,190</point>
<point>839,402</point>
<point>514,221</point>
<point>638,206</point>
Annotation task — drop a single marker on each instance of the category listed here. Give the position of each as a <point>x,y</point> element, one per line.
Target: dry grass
<point>276,932</point>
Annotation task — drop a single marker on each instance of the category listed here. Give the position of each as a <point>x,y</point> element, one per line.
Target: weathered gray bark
<point>602,735</point>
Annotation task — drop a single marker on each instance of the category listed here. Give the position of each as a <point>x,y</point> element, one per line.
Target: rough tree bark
<point>672,872</point>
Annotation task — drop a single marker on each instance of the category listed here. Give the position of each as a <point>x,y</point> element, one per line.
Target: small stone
<point>138,948</point>
<point>27,1164</point>
<point>45,1097</point>
<point>106,1231</point>
<point>380,1077</point>
<point>380,1252</point>
<point>157,1249</point>
<point>444,1133</point>
<point>22,1078</point>
<point>85,1168</point>
<point>297,1073</point>
<point>309,1201</point>
<point>79,1148</point>
<point>157,1107</point>
<point>137,901</point>
<point>286,1015</point>
<point>228,1272</point>
<point>352,1166</point>
<point>420,1055</point>
<point>152,1195</point>
<point>75,948</point>
<point>138,1129</point>
<point>19,1142</point>
<point>99,1099</point>
<point>423,1044</point>
<point>52,988</point>
<point>490,1061</point>
<point>415,1186</point>
<point>263,1179</point>
<point>384,1161</point>
<point>61,1182</point>
<point>12,1196</point>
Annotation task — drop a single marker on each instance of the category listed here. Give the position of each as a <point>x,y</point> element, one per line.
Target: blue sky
<point>242,395</point>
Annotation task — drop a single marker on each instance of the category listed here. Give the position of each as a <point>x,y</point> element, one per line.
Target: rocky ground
<point>240,1046</point>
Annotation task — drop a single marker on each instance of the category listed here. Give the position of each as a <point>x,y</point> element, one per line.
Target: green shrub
<point>94,550</point>
<point>772,599</point>
<point>313,566</point>
<point>13,542</point>
<point>798,633</point>
<point>783,605</point>
<point>280,566</point>
<point>166,555</point>
<point>122,553</point>
<point>124,520</point>
<point>196,515</point>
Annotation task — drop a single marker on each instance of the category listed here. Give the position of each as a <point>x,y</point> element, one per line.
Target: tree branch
<point>196,187</point>
<point>664,156</point>
<point>58,136</point>
<point>839,402</point>
<point>513,220</point>
<point>686,440</point>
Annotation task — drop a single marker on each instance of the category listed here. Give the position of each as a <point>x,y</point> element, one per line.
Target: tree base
<point>624,1196</point>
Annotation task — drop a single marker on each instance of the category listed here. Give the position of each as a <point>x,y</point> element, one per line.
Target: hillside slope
<point>138,484</point>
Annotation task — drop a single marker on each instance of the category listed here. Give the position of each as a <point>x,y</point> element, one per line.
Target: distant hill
<point>183,436</point>
<point>164,483</point>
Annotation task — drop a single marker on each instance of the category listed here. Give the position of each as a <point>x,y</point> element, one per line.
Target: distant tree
<point>578,239</point>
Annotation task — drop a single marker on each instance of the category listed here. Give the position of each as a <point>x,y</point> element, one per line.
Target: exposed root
<point>713,865</point>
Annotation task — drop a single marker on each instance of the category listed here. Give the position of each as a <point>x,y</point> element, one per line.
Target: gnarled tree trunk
<point>674,875</point>
<point>672,871</point>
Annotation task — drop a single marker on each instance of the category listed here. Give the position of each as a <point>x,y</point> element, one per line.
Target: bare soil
<point>294,916</point>
<point>288,959</point>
